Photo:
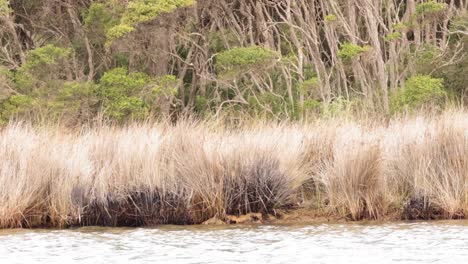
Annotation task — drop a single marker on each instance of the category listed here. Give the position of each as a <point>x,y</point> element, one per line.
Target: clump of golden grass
<point>186,173</point>
<point>427,166</point>
<point>351,177</point>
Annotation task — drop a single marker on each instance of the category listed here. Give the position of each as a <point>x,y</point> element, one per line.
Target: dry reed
<point>186,173</point>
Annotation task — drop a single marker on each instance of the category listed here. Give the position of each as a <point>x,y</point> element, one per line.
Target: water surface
<point>418,242</point>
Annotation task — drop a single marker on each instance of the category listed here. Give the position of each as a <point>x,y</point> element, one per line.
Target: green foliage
<point>429,8</point>
<point>74,98</point>
<point>102,20</point>
<point>393,36</point>
<point>311,105</point>
<point>330,18</point>
<point>165,85</point>
<point>239,60</point>
<point>40,82</point>
<point>5,7</point>
<point>46,55</point>
<point>16,105</point>
<point>5,83</point>
<point>459,26</point>
<point>308,85</point>
<point>201,104</point>
<point>102,16</point>
<point>419,91</point>
<point>400,26</point>
<point>120,81</point>
<point>424,58</point>
<point>140,11</point>
<point>202,47</point>
<point>118,92</point>
<point>349,50</point>
<point>126,95</point>
<point>118,32</point>
<point>338,107</point>
<point>43,66</point>
<point>269,104</point>
<point>217,40</point>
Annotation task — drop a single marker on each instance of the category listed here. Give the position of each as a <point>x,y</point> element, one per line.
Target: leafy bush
<point>400,26</point>
<point>330,18</point>
<point>101,17</point>
<point>140,11</point>
<point>4,7</point>
<point>311,105</point>
<point>118,32</point>
<point>16,105</point>
<point>240,60</point>
<point>46,55</point>
<point>429,7</point>
<point>393,36</point>
<point>338,107</point>
<point>75,101</point>
<point>419,91</point>
<point>349,50</point>
<point>5,83</point>
<point>43,66</point>
<point>117,92</point>
<point>308,85</point>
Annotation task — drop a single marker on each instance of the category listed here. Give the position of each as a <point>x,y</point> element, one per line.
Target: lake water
<point>418,242</point>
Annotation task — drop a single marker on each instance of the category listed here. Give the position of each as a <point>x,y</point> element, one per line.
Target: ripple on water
<point>419,242</point>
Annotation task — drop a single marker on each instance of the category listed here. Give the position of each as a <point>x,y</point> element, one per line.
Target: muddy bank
<point>131,217</point>
<point>315,216</point>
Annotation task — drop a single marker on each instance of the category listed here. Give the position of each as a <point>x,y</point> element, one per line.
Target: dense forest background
<point>77,60</point>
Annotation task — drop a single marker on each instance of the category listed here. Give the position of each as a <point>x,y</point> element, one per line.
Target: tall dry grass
<point>185,173</point>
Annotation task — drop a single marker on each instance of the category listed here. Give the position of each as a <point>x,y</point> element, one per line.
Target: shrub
<point>393,36</point>
<point>118,32</point>
<point>308,85</point>
<point>43,66</point>
<point>118,93</point>
<point>429,7</point>
<point>330,18</point>
<point>14,106</point>
<point>4,7</point>
<point>240,60</point>
<point>140,11</point>
<point>349,50</point>
<point>75,102</point>
<point>419,91</point>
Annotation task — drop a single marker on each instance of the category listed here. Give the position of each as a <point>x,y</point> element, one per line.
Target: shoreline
<point>298,216</point>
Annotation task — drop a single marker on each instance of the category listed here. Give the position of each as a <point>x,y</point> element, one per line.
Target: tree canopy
<point>73,61</point>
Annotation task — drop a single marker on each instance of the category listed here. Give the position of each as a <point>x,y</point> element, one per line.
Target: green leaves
<point>4,8</point>
<point>16,105</point>
<point>393,36</point>
<point>133,95</point>
<point>309,84</point>
<point>429,7</point>
<point>140,11</point>
<point>118,32</point>
<point>47,55</point>
<point>102,15</point>
<point>330,18</point>
<point>117,91</point>
<point>349,50</point>
<point>419,91</point>
<point>240,60</point>
<point>43,65</point>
